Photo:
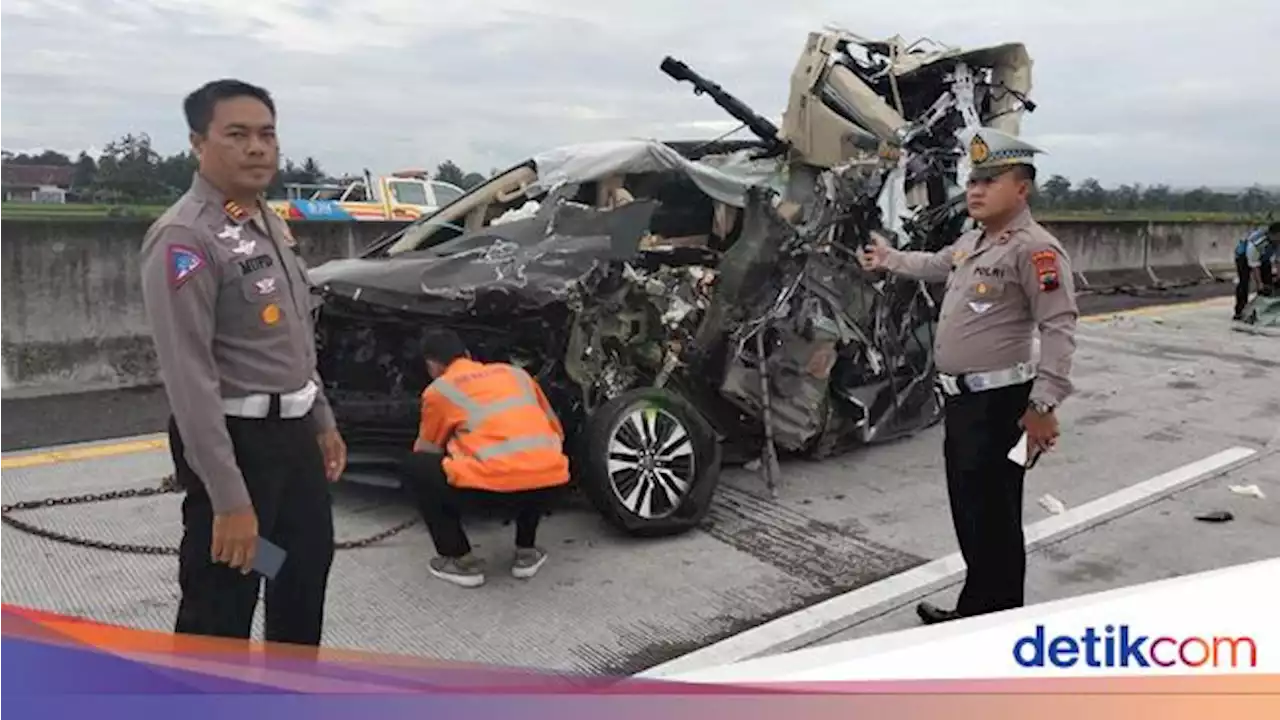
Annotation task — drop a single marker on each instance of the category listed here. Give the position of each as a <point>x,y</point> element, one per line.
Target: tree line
<point>1058,193</point>
<point>130,171</point>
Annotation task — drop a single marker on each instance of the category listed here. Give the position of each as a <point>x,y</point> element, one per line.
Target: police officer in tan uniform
<point>252,437</point>
<point>1004,280</point>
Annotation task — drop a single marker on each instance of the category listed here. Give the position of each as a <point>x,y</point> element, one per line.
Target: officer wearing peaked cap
<point>251,434</point>
<point>1004,280</point>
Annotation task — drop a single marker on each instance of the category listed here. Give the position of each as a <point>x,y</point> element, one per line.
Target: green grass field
<point>97,212</point>
<point>77,211</point>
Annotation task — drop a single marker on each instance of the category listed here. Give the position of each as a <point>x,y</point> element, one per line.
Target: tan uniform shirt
<point>998,290</point>
<point>229,304</point>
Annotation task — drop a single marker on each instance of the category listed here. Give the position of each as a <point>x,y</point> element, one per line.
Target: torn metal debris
<point>691,302</point>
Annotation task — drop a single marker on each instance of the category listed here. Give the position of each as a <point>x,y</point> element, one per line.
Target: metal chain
<point>168,485</point>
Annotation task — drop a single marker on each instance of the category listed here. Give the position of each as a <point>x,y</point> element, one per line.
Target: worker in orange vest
<point>487,433</point>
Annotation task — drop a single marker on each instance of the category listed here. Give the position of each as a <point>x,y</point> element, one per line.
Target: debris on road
<point>1251,490</point>
<point>1052,504</point>
<point>1261,316</point>
<point>1217,516</point>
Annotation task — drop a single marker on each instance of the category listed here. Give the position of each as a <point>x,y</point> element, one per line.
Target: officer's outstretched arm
<point>927,266</point>
<point>1046,278</point>
<point>180,292</point>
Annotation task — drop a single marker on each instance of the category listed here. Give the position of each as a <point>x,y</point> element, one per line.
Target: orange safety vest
<point>497,427</point>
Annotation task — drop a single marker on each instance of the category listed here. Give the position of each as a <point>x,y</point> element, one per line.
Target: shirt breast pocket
<point>265,297</point>
<point>986,290</point>
<point>261,288</point>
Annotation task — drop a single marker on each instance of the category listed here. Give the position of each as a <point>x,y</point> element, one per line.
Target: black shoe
<point>932,614</point>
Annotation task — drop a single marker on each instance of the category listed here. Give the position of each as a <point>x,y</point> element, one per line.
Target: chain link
<point>168,485</point>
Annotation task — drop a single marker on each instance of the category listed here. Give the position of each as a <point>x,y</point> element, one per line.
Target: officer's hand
<point>235,538</point>
<point>876,256</point>
<point>1042,430</point>
<point>335,454</point>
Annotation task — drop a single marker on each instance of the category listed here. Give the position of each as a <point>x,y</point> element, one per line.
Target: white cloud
<point>1144,91</point>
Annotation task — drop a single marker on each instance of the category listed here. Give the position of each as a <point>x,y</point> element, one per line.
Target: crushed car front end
<point>688,304</point>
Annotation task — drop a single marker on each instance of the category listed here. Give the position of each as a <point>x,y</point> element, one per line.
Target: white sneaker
<point>467,571</point>
<point>528,562</point>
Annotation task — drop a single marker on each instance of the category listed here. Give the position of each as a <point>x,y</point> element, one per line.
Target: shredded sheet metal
<point>725,178</point>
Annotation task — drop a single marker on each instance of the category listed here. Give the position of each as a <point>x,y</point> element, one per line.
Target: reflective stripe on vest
<point>1259,239</point>
<point>477,413</point>
<point>520,444</point>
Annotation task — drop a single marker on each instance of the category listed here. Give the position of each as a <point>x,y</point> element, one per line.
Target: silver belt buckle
<point>950,385</point>
<point>298,403</point>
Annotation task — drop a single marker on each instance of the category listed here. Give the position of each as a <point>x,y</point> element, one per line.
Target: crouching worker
<point>487,433</point>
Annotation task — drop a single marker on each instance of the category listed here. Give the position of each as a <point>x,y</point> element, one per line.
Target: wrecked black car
<point>689,304</point>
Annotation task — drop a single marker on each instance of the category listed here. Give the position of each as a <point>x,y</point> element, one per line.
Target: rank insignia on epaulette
<point>234,211</point>
<point>1046,264</point>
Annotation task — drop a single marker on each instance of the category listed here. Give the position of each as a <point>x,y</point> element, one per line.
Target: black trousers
<point>284,471</point>
<point>442,505</point>
<point>985,489</point>
<point>1244,278</point>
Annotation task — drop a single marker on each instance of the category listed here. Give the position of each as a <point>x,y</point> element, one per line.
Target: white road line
<point>803,665</point>
<point>811,624</point>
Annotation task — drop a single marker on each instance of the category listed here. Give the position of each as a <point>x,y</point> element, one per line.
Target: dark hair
<point>442,345</point>
<point>1027,172</point>
<point>1274,227</point>
<point>199,105</point>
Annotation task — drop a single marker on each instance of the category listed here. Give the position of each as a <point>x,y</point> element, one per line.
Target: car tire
<point>665,463</point>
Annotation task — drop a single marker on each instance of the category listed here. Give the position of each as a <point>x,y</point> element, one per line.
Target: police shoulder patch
<point>183,263</point>
<point>1046,266</point>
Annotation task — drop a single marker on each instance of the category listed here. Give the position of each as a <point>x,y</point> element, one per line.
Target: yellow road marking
<point>1159,309</point>
<point>53,457</point>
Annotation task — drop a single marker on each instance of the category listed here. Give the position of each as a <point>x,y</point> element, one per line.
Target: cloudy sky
<point>1137,91</point>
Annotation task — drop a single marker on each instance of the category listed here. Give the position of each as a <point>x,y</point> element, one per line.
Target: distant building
<point>37,183</point>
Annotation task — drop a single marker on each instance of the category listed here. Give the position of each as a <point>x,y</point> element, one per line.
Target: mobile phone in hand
<point>268,558</point>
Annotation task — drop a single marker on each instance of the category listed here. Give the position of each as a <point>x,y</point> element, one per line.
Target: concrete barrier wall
<point>1143,254</point>
<point>72,304</point>
<point>73,317</point>
<point>1105,254</point>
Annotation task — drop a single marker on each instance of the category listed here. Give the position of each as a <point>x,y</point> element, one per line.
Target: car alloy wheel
<point>651,462</point>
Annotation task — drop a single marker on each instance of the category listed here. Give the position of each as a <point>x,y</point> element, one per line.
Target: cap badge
<point>979,151</point>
